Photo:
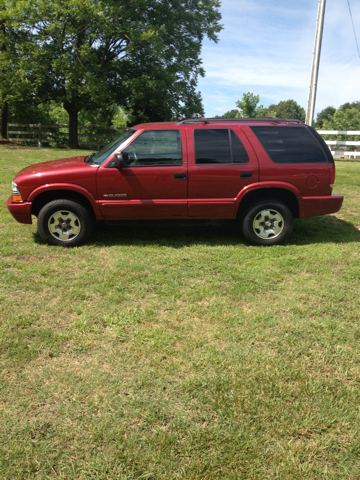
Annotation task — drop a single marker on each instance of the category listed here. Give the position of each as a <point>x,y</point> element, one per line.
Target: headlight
<point>15,192</point>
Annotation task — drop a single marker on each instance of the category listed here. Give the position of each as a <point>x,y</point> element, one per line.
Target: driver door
<point>153,184</point>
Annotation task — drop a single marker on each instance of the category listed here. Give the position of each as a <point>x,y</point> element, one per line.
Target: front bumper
<point>21,211</point>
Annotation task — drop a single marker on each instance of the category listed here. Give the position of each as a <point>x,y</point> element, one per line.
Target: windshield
<point>99,157</point>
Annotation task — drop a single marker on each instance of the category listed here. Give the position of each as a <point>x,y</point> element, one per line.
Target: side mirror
<point>119,160</point>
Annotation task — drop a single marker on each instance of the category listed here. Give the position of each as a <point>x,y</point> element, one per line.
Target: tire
<point>267,223</point>
<point>65,223</point>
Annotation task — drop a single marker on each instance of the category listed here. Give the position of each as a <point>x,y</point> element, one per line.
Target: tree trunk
<point>73,125</point>
<point>4,121</point>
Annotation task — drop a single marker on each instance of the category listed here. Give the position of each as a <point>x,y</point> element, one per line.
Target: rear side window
<point>290,144</point>
<point>218,146</point>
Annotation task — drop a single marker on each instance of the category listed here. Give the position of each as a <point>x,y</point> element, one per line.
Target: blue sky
<point>266,48</point>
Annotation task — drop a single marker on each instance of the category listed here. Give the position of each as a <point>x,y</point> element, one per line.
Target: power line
<point>352,21</point>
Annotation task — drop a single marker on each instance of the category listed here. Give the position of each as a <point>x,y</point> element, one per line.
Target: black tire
<point>267,222</point>
<point>65,223</point>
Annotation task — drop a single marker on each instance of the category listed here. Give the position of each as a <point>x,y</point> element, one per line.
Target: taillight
<point>332,176</point>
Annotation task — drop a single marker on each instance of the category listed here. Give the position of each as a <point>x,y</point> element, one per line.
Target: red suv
<point>262,172</point>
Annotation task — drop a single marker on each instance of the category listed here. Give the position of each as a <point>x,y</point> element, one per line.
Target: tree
<point>349,105</point>
<point>348,119</point>
<point>325,114</point>
<point>159,93</point>
<point>285,109</point>
<point>248,106</point>
<point>89,54</point>
<point>230,114</point>
<point>343,120</point>
<point>7,80</point>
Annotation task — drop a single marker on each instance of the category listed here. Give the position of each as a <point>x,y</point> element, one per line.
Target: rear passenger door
<point>221,163</point>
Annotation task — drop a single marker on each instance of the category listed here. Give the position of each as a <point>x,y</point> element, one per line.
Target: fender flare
<point>70,187</point>
<point>267,185</point>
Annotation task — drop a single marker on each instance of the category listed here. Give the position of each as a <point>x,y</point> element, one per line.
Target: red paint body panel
<point>146,191</point>
<point>204,191</point>
<point>295,174</point>
<point>144,209</point>
<point>71,171</point>
<point>213,189</point>
<point>21,211</point>
<point>314,206</point>
<point>70,187</point>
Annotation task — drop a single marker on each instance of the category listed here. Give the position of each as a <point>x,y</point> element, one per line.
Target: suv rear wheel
<point>65,222</point>
<point>267,223</point>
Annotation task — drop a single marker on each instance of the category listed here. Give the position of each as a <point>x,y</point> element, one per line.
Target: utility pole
<point>316,62</point>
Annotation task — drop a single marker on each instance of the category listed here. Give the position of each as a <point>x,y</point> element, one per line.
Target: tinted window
<point>290,144</point>
<point>219,146</point>
<point>238,149</point>
<point>99,157</point>
<point>154,147</point>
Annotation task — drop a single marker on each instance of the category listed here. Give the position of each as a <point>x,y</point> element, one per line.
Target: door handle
<point>179,176</point>
<point>246,175</point>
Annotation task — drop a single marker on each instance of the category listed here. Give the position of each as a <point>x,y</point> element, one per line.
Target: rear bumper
<point>21,211</point>
<point>314,206</point>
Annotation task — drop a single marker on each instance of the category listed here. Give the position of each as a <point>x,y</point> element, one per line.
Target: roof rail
<point>263,119</point>
<point>192,120</point>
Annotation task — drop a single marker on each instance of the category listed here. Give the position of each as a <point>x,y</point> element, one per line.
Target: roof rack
<point>263,119</point>
<point>192,120</point>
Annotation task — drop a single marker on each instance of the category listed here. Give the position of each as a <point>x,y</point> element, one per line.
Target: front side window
<point>290,144</point>
<point>99,157</point>
<point>218,146</point>
<point>154,148</point>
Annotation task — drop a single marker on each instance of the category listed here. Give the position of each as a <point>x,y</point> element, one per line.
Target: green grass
<point>164,351</point>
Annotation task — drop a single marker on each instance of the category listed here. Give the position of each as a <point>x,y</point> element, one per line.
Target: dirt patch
<point>4,141</point>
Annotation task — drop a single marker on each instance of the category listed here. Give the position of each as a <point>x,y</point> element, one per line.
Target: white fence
<point>342,143</point>
<point>44,135</point>
<point>96,136</point>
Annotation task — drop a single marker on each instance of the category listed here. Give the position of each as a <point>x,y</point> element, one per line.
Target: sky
<point>266,47</point>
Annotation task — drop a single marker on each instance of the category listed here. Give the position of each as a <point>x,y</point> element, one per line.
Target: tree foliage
<point>348,105</point>
<point>325,114</point>
<point>14,85</point>
<point>87,54</point>
<point>348,119</point>
<point>285,109</point>
<point>230,114</point>
<point>248,106</point>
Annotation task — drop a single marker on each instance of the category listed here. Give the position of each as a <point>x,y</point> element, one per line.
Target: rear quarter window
<point>292,144</point>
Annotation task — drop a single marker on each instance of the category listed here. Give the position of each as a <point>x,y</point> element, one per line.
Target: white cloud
<point>266,48</point>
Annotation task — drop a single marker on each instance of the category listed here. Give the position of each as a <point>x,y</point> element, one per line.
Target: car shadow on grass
<point>177,234</point>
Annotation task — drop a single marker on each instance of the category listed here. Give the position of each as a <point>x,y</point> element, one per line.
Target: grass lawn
<point>161,351</point>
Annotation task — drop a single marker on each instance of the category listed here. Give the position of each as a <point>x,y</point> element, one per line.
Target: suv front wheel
<point>65,222</point>
<point>267,223</point>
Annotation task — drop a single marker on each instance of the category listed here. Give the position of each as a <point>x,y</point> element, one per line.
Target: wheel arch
<point>47,196</point>
<point>273,193</point>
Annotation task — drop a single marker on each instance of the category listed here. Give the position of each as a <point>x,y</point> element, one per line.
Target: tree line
<point>97,59</point>
<point>346,117</point>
